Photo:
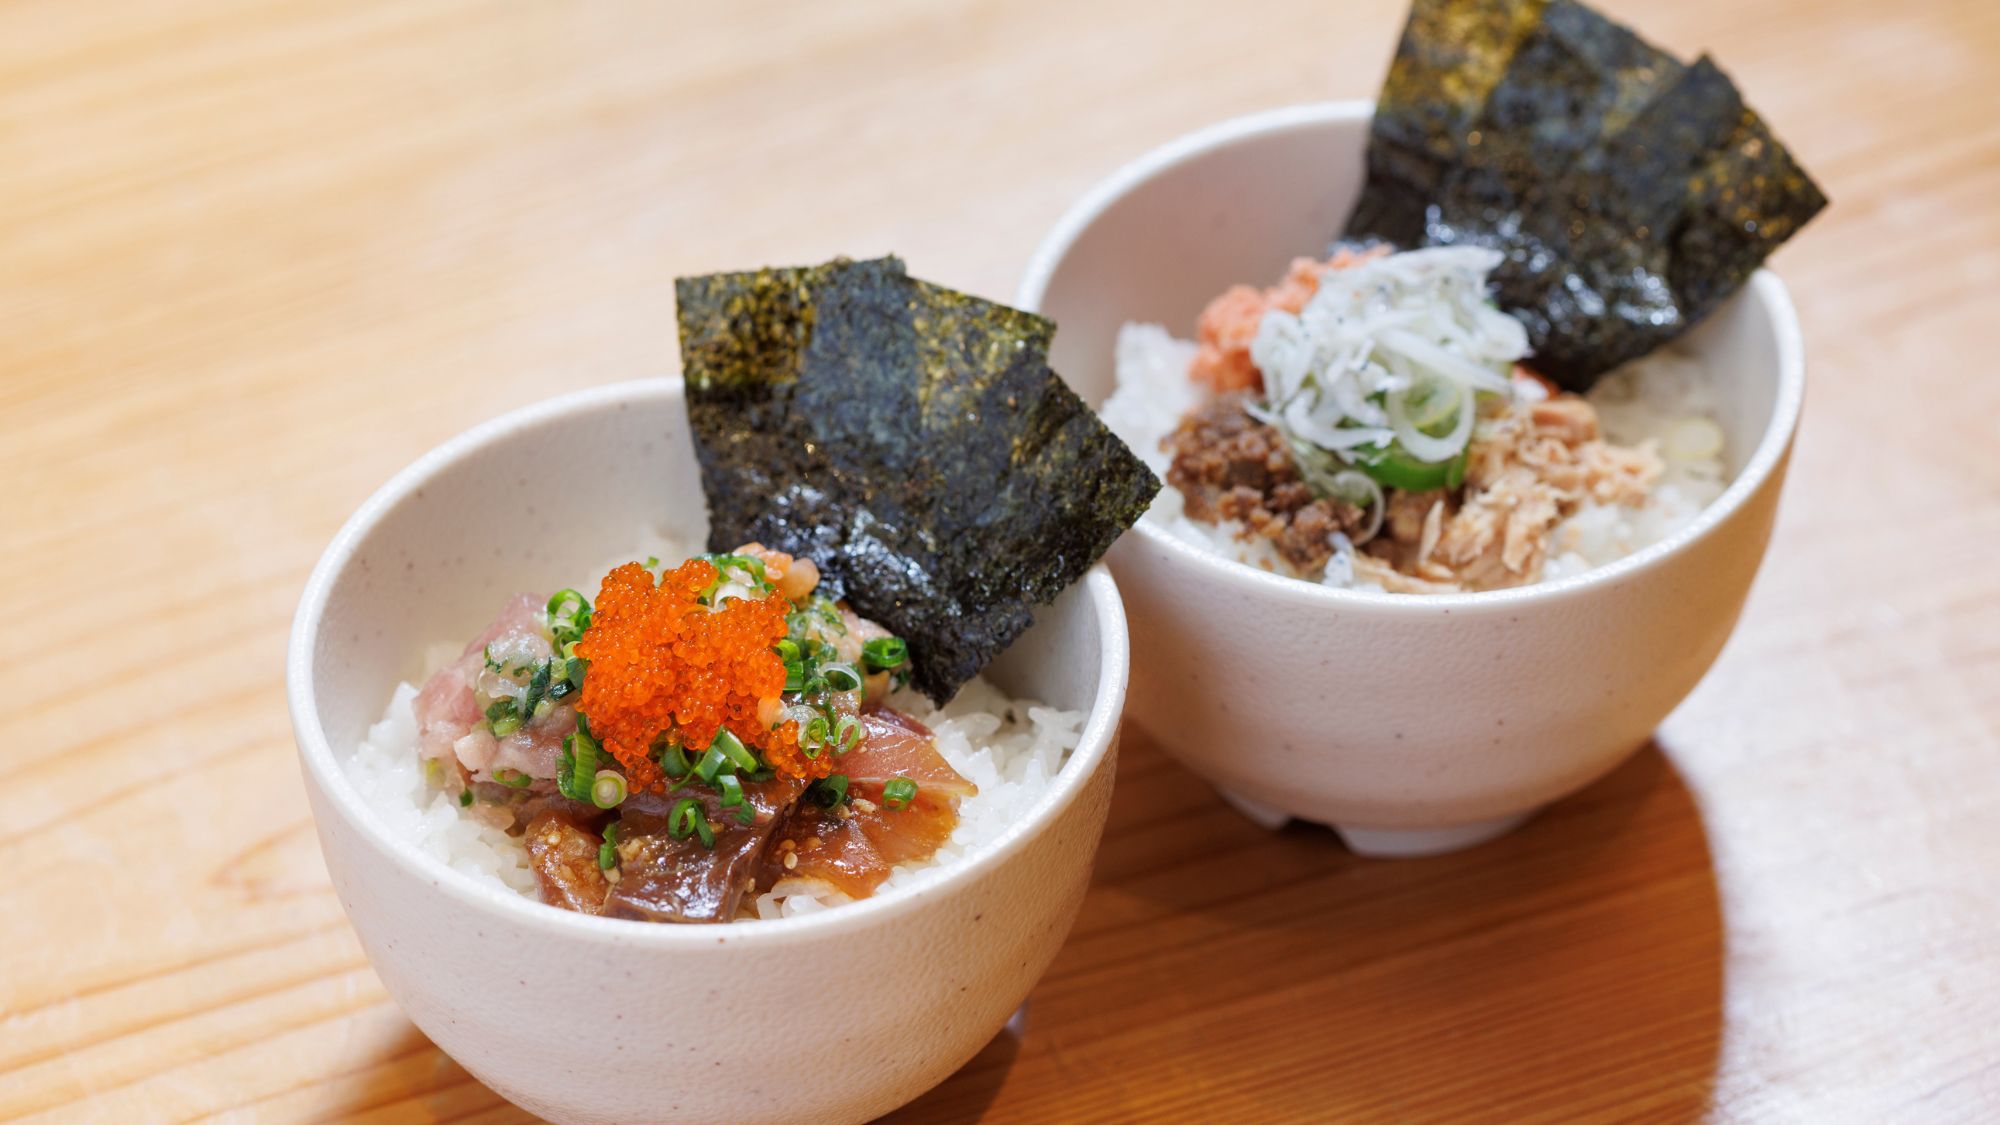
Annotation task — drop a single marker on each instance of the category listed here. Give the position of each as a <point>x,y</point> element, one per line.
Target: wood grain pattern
<point>257,256</point>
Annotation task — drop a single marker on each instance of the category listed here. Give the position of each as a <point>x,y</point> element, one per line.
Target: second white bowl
<point>1411,724</point>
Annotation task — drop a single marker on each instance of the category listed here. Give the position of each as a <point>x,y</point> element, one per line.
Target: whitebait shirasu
<point>1389,353</point>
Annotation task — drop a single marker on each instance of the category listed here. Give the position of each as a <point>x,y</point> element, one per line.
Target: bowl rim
<point>324,772</point>
<point>1772,300</point>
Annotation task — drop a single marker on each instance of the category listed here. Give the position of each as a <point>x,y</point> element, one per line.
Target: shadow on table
<point>1573,968</point>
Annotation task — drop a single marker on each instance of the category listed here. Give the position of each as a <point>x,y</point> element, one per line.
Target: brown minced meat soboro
<point>1229,466</point>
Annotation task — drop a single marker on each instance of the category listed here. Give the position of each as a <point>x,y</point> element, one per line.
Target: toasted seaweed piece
<point>1630,194</point>
<point>1451,55</point>
<point>909,439</point>
<point>1744,203</point>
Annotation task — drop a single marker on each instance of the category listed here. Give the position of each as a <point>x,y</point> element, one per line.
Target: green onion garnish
<point>674,760</point>
<point>538,687</point>
<point>813,738</point>
<point>688,818</point>
<point>840,676</point>
<point>830,790</point>
<point>465,797</point>
<point>608,789</point>
<point>577,774</point>
<point>899,792</point>
<point>846,734</point>
<point>732,748</point>
<point>711,763</point>
<point>731,788</point>
<point>884,654</point>
<point>607,852</point>
<point>568,616</point>
<point>513,779</point>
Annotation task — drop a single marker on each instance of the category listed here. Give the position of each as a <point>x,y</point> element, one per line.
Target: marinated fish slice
<point>563,854</point>
<point>821,847</point>
<point>898,746</point>
<point>665,878</point>
<point>852,847</point>
<point>902,835</point>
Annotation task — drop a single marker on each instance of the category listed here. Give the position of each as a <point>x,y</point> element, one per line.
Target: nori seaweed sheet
<point>1451,55</point>
<point>1630,194</point>
<point>911,440</point>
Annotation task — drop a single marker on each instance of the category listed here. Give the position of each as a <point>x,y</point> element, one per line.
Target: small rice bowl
<point>1667,399</point>
<point>1009,748</point>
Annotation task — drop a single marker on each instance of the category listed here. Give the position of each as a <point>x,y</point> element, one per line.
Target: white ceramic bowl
<point>837,1016</point>
<point>1410,724</point>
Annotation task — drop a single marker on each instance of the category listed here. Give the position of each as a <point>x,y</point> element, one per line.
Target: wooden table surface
<point>255,257</point>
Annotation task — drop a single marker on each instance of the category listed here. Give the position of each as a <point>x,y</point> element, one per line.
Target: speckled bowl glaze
<point>1412,725</point>
<point>837,1016</point>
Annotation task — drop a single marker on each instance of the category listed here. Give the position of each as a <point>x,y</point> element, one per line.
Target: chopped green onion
<point>813,738</point>
<point>607,852</point>
<point>732,747</point>
<point>846,734</point>
<point>787,650</point>
<point>578,772</point>
<point>688,818</point>
<point>830,790</point>
<point>433,773</point>
<point>506,726</point>
<point>499,709</point>
<point>732,790</point>
<point>710,764</point>
<point>652,562</point>
<point>841,676</point>
<point>608,789</point>
<point>513,779</point>
<point>674,760</point>
<point>566,603</point>
<point>465,797</point>
<point>899,792</point>
<point>748,566</point>
<point>828,613</point>
<point>884,654</point>
<point>538,687</point>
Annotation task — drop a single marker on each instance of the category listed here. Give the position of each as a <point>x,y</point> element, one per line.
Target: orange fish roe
<point>1229,323</point>
<point>660,661</point>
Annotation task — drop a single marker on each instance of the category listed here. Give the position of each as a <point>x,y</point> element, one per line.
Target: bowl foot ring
<point>1387,843</point>
<point>1410,843</point>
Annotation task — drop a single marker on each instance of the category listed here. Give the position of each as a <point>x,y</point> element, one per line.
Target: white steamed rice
<point>1009,748</point>
<point>1651,399</point>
